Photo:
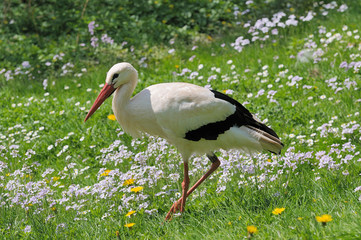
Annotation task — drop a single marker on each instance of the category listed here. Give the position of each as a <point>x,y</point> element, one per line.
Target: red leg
<point>214,166</point>
<point>185,186</point>
<point>182,200</point>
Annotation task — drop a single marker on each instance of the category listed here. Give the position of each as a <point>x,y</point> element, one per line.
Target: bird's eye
<point>115,76</point>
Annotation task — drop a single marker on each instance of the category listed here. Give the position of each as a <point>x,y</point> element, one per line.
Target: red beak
<point>104,94</point>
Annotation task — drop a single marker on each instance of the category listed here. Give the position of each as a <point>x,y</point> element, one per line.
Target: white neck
<point>123,94</point>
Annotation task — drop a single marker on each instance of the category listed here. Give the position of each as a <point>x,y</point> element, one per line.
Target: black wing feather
<point>241,117</point>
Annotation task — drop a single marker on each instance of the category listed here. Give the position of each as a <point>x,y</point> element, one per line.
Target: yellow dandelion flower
<point>129,225</point>
<point>324,219</point>
<point>112,117</point>
<point>251,229</point>
<point>56,179</point>
<point>229,223</point>
<point>53,209</point>
<point>278,211</point>
<point>239,218</point>
<point>128,182</point>
<point>300,218</point>
<point>136,189</point>
<point>105,173</point>
<point>129,213</point>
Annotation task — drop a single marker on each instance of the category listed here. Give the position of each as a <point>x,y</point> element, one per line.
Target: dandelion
<point>324,219</point>
<point>105,173</point>
<point>300,218</point>
<point>251,230</point>
<point>111,117</point>
<point>278,211</point>
<point>129,225</point>
<point>136,189</point>
<point>130,213</point>
<point>128,182</point>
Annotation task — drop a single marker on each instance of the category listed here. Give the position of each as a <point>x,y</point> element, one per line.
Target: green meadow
<point>298,70</point>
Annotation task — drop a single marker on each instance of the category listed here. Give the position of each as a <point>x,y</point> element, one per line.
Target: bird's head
<point>118,75</point>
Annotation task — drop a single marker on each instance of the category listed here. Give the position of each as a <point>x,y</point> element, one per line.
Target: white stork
<point>194,119</point>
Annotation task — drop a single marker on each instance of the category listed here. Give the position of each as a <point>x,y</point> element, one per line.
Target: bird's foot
<point>177,206</point>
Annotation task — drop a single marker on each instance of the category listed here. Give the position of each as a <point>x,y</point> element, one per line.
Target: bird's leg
<point>215,164</point>
<point>185,186</point>
<point>180,204</point>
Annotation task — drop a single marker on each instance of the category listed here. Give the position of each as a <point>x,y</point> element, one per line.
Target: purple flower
<point>274,31</point>
<point>26,64</point>
<point>94,42</point>
<point>91,27</point>
<point>343,65</point>
<point>308,17</point>
<point>106,39</point>
<point>27,229</point>
<point>45,83</point>
<point>342,8</point>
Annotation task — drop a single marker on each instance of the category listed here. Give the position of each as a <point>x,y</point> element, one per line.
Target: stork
<point>194,119</point>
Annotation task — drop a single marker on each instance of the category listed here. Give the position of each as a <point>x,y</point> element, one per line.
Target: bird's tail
<point>268,142</point>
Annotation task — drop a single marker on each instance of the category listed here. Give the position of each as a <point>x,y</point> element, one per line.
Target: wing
<point>181,108</point>
<point>242,117</point>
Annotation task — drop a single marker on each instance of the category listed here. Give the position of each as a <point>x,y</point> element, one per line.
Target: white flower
<point>26,64</point>
<point>27,229</point>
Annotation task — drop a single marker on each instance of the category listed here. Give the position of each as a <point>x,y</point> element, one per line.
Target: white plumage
<point>192,118</point>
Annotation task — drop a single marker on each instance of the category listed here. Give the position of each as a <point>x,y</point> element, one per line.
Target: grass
<point>83,202</point>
